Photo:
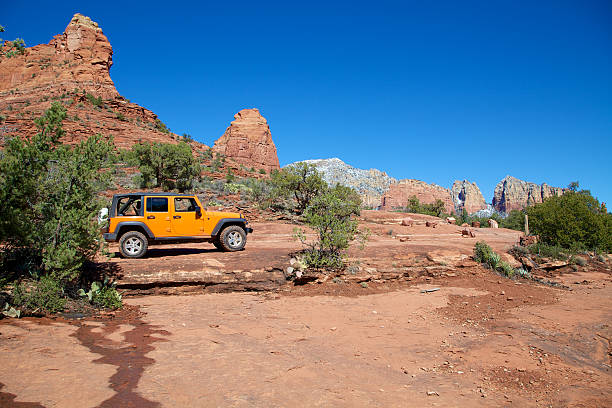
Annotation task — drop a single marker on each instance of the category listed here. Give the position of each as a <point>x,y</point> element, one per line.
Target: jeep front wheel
<point>133,244</point>
<point>233,238</point>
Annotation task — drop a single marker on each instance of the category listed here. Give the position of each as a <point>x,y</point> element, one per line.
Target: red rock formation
<point>514,194</point>
<point>73,65</point>
<point>248,141</point>
<point>399,193</point>
<point>467,195</point>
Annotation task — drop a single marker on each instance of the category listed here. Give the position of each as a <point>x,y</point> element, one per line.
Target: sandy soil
<point>480,340</point>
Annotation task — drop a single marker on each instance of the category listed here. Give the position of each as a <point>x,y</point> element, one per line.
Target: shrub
<point>575,220</point>
<point>166,165</point>
<point>436,209</point>
<point>484,254</point>
<point>161,126</point>
<point>207,154</point>
<point>515,220</point>
<point>103,295</point>
<point>229,176</point>
<point>301,181</point>
<point>330,214</point>
<point>578,260</point>
<point>11,48</point>
<point>49,196</point>
<point>95,101</point>
<point>549,251</point>
<point>45,295</point>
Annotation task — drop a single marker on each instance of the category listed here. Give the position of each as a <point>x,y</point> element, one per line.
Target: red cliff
<point>73,69</point>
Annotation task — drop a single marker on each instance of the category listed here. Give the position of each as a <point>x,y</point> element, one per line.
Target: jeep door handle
<point>151,217</point>
<point>177,217</point>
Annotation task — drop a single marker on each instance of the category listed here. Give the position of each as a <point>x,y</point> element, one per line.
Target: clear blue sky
<point>435,91</point>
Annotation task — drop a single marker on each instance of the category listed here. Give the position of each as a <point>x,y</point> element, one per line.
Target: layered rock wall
<point>398,194</point>
<point>466,195</point>
<point>514,194</point>
<point>248,141</point>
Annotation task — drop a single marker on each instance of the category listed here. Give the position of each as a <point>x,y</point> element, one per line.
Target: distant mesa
<point>378,190</point>
<point>370,184</point>
<point>514,194</point>
<point>248,141</point>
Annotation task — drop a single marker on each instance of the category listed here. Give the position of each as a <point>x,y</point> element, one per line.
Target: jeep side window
<point>128,206</point>
<point>184,204</point>
<point>157,204</point>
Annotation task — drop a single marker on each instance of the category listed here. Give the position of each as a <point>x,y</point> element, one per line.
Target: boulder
<point>528,240</point>
<point>451,220</point>
<point>475,224</point>
<point>493,223</point>
<point>468,233</point>
<point>407,222</point>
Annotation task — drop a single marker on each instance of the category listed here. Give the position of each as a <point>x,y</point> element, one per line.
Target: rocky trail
<point>383,336</point>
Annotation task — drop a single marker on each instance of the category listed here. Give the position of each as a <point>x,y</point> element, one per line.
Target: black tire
<point>133,244</point>
<point>232,238</point>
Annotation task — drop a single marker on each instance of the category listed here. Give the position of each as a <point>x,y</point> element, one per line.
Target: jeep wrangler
<point>137,220</point>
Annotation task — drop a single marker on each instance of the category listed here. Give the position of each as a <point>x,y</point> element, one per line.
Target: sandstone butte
<point>248,141</point>
<point>74,68</point>
<point>514,194</point>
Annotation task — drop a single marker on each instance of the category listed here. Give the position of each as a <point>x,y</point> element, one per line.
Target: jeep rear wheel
<point>133,244</point>
<point>232,238</point>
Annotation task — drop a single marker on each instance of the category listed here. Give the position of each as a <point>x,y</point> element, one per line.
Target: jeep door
<point>185,221</point>
<point>157,216</point>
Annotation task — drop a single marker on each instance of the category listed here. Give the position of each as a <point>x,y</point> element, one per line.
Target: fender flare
<point>240,221</point>
<point>122,224</point>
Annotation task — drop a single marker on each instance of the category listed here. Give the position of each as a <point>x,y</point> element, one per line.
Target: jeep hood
<point>223,214</point>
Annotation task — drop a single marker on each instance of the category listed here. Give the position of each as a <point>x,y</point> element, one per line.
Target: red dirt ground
<point>481,340</point>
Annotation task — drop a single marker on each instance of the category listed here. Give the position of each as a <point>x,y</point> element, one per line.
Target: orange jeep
<point>138,220</point>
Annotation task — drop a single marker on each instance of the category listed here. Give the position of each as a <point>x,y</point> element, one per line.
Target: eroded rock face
<point>370,184</point>
<point>514,194</point>
<point>467,195</point>
<point>70,67</point>
<point>248,141</point>
<point>399,193</point>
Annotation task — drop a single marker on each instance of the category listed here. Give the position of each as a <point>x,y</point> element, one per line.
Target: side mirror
<point>198,211</point>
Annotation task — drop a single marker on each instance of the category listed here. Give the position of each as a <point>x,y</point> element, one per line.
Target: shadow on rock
<point>130,358</point>
<point>7,400</point>
<point>162,252</point>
